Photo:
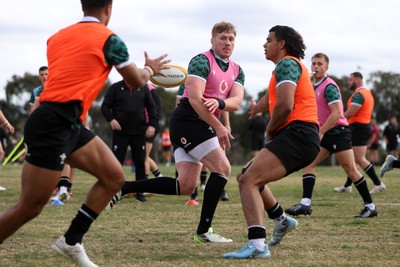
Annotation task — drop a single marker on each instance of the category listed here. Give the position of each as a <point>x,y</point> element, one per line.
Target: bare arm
<point>261,106</point>
<point>4,123</point>
<point>136,77</point>
<point>350,112</point>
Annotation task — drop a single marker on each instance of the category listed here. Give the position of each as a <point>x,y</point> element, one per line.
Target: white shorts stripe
<point>197,153</point>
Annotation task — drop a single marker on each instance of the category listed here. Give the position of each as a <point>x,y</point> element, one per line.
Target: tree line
<point>385,89</point>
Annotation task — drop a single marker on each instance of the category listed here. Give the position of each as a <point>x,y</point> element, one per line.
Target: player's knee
<point>238,176</point>
<point>114,181</point>
<point>119,182</point>
<point>29,211</point>
<point>241,179</point>
<point>187,188</point>
<point>224,169</point>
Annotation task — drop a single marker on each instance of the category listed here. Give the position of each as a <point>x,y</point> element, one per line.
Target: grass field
<point>159,232</point>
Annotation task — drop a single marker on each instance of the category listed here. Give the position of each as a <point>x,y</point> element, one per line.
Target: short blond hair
<point>223,26</point>
<point>321,55</point>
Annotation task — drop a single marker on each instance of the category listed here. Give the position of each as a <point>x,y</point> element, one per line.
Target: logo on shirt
<point>62,158</point>
<point>223,86</point>
<point>183,141</point>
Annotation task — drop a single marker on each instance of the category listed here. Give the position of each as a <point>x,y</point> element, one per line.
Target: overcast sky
<point>357,34</point>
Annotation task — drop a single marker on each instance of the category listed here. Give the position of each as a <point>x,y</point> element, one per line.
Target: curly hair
<point>294,43</point>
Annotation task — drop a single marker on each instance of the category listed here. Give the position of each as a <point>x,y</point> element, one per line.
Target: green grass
<point>159,233</point>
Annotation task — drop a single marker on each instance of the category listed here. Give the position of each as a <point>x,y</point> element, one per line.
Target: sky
<point>357,35</point>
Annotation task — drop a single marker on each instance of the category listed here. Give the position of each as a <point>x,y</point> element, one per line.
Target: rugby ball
<point>174,76</point>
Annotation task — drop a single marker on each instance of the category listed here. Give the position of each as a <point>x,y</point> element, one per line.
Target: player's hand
<point>157,64</point>
<point>150,131</point>
<point>224,137</point>
<point>115,126</point>
<point>252,111</point>
<point>10,128</point>
<point>211,104</point>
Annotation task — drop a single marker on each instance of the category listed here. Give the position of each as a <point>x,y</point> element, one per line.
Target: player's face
<point>319,66</point>
<point>43,76</point>
<point>223,44</point>
<point>352,83</point>
<point>272,47</point>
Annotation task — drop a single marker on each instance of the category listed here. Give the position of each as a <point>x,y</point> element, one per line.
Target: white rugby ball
<point>174,76</point>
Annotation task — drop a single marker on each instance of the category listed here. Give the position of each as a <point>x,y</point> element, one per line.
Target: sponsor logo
<point>223,87</point>
<point>183,141</point>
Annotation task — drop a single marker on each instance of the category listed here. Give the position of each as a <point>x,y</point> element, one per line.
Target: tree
<point>18,91</point>
<point>386,88</point>
<point>385,85</point>
<point>344,88</point>
<point>168,100</point>
<point>19,88</point>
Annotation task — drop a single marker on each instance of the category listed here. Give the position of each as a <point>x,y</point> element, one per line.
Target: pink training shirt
<point>323,106</point>
<point>219,83</point>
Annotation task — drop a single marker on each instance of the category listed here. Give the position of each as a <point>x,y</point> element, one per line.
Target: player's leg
<point>149,146</point>
<point>390,163</point>
<point>150,164</point>
<point>188,169</point>
<point>346,160</point>
<point>279,158</point>
<point>368,167</point>
<point>257,197</point>
<point>95,158</point>
<point>63,184</point>
<point>138,150</point>
<point>119,146</point>
<point>219,166</point>
<point>308,181</point>
<point>31,202</point>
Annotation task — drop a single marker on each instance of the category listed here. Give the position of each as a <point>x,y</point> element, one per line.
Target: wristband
<point>221,104</point>
<point>5,124</point>
<point>150,69</point>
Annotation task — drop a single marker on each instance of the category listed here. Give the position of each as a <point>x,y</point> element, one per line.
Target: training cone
<point>57,202</point>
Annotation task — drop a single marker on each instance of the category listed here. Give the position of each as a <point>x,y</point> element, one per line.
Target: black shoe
<point>299,209</point>
<point>140,197</point>
<point>224,196</point>
<point>367,213</point>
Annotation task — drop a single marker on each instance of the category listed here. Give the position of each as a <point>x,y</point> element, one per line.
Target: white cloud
<point>358,33</point>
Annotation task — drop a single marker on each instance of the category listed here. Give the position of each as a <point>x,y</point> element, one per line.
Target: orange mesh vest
<point>305,105</point>
<point>77,66</point>
<point>364,114</point>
